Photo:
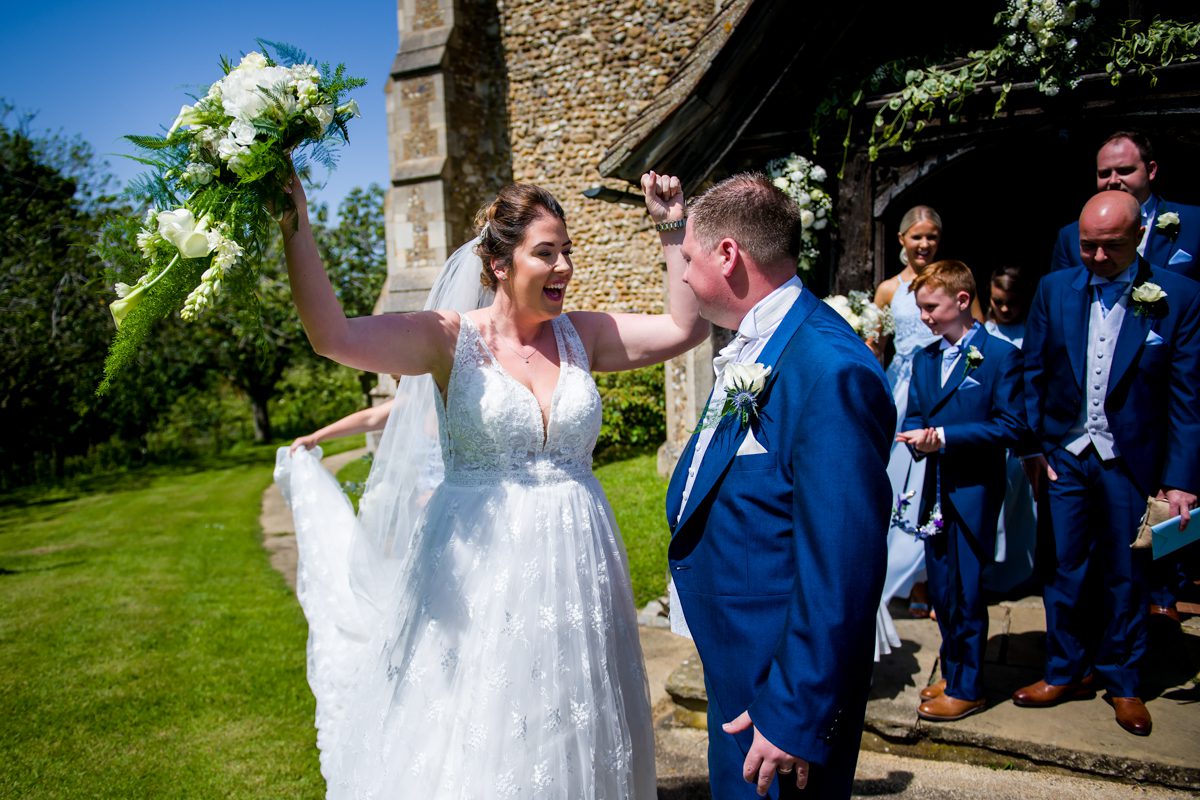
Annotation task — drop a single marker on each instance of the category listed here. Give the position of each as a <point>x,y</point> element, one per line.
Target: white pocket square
<point>1180,257</point>
<point>968,382</point>
<point>750,445</point>
<point>1153,338</point>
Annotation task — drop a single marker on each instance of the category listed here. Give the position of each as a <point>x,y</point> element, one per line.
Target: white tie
<point>729,353</point>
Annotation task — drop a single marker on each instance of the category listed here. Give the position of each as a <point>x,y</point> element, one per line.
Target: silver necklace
<point>530,350</point>
<point>523,356</point>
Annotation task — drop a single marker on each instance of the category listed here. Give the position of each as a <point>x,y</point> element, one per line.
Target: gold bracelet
<point>674,225</point>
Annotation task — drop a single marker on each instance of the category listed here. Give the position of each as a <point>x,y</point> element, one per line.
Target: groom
<point>779,515</point>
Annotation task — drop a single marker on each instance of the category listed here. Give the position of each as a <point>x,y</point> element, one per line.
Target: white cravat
<point>729,353</point>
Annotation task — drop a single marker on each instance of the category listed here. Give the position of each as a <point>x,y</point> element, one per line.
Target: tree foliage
<point>54,290</point>
<point>355,255</point>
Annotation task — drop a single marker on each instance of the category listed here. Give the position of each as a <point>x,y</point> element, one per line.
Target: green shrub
<point>202,421</point>
<point>635,413</point>
<point>312,395</point>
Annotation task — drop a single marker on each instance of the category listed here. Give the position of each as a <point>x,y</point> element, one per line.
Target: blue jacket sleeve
<point>1033,352</point>
<point>841,503</point>
<point>1182,467</point>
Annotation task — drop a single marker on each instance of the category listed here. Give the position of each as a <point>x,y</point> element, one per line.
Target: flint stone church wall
<point>485,92</point>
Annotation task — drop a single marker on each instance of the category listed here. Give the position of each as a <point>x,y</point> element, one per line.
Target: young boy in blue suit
<point>965,409</point>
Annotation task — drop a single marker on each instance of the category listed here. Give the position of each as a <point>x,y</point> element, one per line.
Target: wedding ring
<point>786,770</point>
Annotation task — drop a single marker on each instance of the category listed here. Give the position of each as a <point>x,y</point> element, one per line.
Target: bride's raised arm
<point>400,344</point>
<point>626,341</point>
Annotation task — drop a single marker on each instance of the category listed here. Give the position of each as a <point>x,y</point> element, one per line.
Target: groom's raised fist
<point>664,197</point>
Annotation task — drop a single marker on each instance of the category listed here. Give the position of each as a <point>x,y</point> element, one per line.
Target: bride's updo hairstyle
<point>502,225</point>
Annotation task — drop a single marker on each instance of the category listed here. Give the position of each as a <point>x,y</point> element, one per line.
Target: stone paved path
<point>1022,748</point>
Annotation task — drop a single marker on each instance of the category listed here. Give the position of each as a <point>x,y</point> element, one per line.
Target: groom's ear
<point>730,252</point>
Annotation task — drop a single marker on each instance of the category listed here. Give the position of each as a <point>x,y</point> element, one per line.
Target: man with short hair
<point>779,507</point>
<point>1112,351</point>
<point>1125,162</point>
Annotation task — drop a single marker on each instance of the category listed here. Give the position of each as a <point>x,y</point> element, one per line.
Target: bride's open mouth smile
<point>555,291</point>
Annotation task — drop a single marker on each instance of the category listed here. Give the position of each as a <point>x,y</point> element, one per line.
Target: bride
<point>472,632</point>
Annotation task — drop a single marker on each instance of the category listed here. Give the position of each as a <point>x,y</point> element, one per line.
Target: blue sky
<point>105,68</point>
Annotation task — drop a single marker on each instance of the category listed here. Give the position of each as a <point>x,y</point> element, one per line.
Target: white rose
<point>747,377</point>
<point>820,224</point>
<point>1166,220</point>
<point>252,61</point>
<point>842,307</point>
<point>796,176</point>
<point>781,183</point>
<point>807,218</point>
<point>1148,293</point>
<point>199,172</point>
<point>242,131</point>
<point>818,174</point>
<point>229,149</point>
<point>241,90</point>
<point>803,199</point>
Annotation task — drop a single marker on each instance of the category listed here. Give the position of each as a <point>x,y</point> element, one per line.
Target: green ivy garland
<point>1049,42</point>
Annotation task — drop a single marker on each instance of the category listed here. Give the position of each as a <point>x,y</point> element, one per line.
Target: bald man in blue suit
<point>1112,357</point>
<point>779,508</point>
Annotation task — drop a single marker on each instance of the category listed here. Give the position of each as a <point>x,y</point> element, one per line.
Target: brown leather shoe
<point>1169,612</point>
<point>1132,714</point>
<point>934,690</point>
<point>945,708</point>
<point>1043,695</point>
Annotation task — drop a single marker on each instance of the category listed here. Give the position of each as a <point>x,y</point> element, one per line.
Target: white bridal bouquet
<point>215,176</point>
<point>868,320</point>
<point>801,180</point>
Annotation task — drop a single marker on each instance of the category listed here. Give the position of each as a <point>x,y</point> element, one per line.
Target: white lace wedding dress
<point>507,664</point>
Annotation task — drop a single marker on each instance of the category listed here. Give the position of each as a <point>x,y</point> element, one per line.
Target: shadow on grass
<point>125,479</point>
<point>62,565</point>
<point>615,453</point>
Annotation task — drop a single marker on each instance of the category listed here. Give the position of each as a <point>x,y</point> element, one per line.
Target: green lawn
<point>149,650</point>
<point>638,497</point>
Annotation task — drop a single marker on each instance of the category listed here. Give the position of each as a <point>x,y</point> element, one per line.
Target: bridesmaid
<point>1016,537</point>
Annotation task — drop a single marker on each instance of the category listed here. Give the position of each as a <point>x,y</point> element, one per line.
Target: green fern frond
<point>285,54</point>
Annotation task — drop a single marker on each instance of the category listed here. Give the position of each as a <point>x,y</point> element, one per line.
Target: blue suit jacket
<point>1179,254</point>
<point>779,557</point>
<point>982,412</point>
<point>1153,401</point>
